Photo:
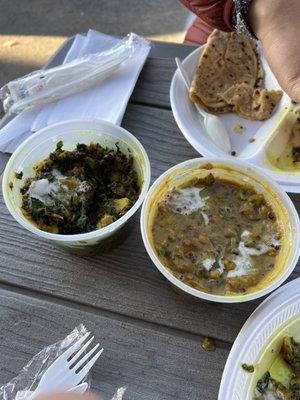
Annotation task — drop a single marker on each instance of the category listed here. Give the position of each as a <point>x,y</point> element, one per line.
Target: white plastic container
<point>259,341</point>
<point>41,144</point>
<point>238,171</point>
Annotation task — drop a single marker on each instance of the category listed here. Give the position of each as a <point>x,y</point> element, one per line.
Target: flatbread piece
<point>229,77</point>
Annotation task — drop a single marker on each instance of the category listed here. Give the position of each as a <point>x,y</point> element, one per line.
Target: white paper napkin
<point>107,101</point>
<point>41,118</point>
<point>27,122</point>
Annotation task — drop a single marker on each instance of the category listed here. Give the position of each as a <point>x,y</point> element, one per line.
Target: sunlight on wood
<point>176,37</point>
<point>36,50</point>
<point>28,50</point>
<point>20,54</point>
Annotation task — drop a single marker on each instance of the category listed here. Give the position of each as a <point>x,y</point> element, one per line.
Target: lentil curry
<point>216,236</point>
<point>81,190</point>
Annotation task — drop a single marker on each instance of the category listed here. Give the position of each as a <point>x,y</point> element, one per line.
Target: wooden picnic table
<point>151,335</point>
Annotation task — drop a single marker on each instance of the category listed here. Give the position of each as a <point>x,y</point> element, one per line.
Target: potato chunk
<point>105,220</point>
<point>121,204</point>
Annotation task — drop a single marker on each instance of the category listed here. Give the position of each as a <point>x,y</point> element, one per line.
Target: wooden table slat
<point>153,85</point>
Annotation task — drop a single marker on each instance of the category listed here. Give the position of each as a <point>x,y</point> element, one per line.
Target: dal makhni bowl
<point>241,175</point>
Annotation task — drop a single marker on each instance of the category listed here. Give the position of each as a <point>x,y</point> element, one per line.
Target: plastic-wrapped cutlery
<point>69,369</point>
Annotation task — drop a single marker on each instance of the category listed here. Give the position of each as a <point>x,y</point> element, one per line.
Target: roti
<point>229,77</point>
<point>257,104</point>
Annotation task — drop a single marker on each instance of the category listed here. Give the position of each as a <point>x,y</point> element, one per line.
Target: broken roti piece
<point>229,77</point>
<point>254,104</point>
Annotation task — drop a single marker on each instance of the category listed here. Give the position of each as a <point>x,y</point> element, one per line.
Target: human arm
<point>215,13</point>
<point>277,24</point>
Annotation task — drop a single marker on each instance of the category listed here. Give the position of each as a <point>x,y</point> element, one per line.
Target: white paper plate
<point>191,125</point>
<point>267,321</point>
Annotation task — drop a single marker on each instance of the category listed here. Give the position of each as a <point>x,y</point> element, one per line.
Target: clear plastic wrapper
<point>45,86</point>
<point>119,394</point>
<point>22,386</point>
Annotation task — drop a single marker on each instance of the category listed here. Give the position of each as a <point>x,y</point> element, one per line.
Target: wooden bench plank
<point>153,85</point>
<point>153,364</point>
<point>124,281</point>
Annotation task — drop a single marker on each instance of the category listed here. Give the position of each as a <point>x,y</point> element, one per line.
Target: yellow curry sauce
<point>216,236</point>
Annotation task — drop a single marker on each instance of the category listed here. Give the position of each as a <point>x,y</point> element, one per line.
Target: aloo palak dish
<point>81,190</point>
<point>282,380</point>
<point>217,236</point>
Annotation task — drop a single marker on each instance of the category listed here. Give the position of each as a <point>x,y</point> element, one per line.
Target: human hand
<point>277,24</point>
<point>68,396</point>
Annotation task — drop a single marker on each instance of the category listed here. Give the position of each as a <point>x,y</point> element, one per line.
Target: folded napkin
<point>108,100</point>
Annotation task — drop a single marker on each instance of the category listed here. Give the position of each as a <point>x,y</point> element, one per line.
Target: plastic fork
<point>69,369</point>
<point>213,124</point>
<point>26,394</point>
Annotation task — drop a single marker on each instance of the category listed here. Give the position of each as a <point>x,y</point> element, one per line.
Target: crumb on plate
<point>248,367</point>
<point>239,128</point>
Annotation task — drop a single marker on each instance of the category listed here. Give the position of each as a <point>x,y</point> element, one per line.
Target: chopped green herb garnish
<point>233,242</point>
<point>19,175</point>
<point>242,194</point>
<point>59,144</point>
<point>224,214</point>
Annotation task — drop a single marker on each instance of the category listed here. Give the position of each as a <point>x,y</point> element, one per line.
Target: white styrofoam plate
<point>272,318</point>
<point>191,125</point>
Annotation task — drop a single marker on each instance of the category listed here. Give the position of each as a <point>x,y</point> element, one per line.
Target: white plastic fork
<point>26,394</point>
<point>65,372</point>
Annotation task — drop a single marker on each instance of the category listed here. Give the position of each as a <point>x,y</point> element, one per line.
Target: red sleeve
<point>215,13</point>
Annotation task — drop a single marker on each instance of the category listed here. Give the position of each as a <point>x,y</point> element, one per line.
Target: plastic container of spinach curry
<point>38,147</point>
